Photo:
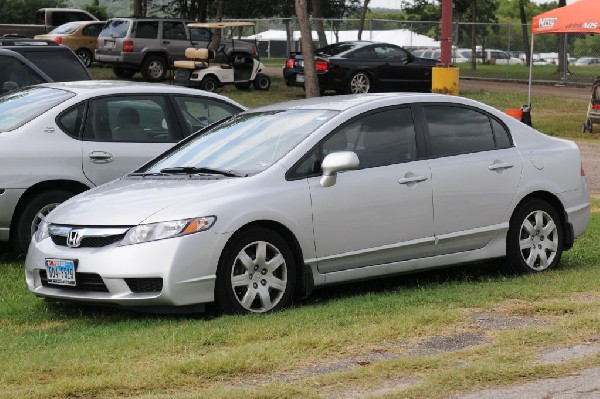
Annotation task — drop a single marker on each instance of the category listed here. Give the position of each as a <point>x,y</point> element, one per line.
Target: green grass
<point>583,75</point>
<point>312,350</point>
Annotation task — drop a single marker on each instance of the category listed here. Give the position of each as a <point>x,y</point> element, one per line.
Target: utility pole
<point>444,76</point>
<point>446,39</point>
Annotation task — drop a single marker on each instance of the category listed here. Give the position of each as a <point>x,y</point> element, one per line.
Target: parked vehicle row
<point>274,201</point>
<point>79,36</point>
<point>59,139</point>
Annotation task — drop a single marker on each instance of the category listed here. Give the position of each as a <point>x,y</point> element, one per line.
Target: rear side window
<point>115,28</point>
<point>457,130</point>
<point>146,30</point>
<point>14,75</point>
<point>174,30</point>
<point>60,64</point>
<point>71,120</point>
<point>92,30</point>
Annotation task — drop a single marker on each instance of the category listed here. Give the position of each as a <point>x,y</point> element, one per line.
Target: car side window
<point>364,53</point>
<point>61,66</point>
<point>14,75</point>
<point>173,30</point>
<point>390,53</point>
<point>146,30</point>
<point>379,139</point>
<point>92,30</point>
<point>501,135</point>
<point>71,120</point>
<point>200,35</point>
<point>201,112</point>
<point>140,119</point>
<point>458,130</point>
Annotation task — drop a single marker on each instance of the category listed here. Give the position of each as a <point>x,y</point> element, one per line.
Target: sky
<point>395,4</point>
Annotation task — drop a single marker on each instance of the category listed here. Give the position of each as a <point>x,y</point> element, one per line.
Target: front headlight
<point>162,230</point>
<point>42,232</point>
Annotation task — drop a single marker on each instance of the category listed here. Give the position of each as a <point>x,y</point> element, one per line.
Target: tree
<point>363,14</point>
<point>311,84</point>
<point>318,17</point>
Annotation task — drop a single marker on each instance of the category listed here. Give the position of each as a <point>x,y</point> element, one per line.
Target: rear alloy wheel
<point>256,274</point>
<point>359,83</point>
<point>154,68</point>
<point>262,82</point>
<point>33,214</point>
<point>535,237</point>
<point>209,83</point>
<point>85,56</point>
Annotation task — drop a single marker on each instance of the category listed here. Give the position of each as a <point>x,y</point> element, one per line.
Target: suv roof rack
<point>13,41</point>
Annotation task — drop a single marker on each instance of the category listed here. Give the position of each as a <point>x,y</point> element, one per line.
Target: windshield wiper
<point>192,170</point>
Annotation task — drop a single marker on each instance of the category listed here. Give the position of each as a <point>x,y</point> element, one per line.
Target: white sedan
<point>278,200</point>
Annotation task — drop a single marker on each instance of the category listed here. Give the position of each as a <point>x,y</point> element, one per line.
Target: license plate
<point>60,271</point>
<point>109,44</point>
<point>301,63</point>
<point>300,78</point>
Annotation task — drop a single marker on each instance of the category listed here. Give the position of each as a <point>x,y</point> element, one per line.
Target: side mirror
<point>337,162</point>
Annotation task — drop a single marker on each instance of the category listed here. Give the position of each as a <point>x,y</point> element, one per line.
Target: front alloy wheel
<point>535,237</point>
<point>359,84</point>
<point>256,274</point>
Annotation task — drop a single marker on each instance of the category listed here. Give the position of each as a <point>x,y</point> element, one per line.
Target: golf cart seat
<point>196,58</point>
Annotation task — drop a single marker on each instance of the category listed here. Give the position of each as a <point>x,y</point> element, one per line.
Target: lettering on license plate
<point>60,271</point>
<point>300,78</point>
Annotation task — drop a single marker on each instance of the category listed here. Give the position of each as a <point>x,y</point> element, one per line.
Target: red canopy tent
<point>583,16</point>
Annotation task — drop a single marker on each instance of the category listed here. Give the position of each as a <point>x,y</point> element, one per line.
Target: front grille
<point>89,242</point>
<point>139,285</point>
<point>85,282</point>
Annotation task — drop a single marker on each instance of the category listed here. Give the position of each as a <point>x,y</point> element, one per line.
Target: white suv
<point>60,139</point>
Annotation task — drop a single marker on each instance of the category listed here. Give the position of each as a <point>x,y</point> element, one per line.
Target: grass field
<point>427,335</point>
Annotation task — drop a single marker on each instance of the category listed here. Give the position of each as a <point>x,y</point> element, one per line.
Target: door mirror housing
<point>337,162</point>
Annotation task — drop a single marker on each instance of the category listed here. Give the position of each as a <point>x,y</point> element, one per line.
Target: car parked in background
<point>59,139</point>
<point>498,57</point>
<point>280,199</point>
<point>458,55</point>
<point>44,21</point>
<point>363,67</point>
<point>25,62</point>
<point>587,61</point>
<point>147,45</point>
<point>79,36</point>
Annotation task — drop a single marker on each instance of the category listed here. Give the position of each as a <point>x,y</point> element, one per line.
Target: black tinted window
<point>334,49</point>
<point>200,34</point>
<point>14,75</point>
<point>173,30</point>
<point>60,66</point>
<point>92,30</point>
<point>501,135</point>
<point>71,120</point>
<point>457,130</point>
<point>115,28</point>
<point>389,52</point>
<point>201,112</point>
<point>146,30</point>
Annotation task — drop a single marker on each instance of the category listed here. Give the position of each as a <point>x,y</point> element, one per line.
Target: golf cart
<point>234,62</point>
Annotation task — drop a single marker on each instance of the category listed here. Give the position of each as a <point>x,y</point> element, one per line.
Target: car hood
<point>127,202</point>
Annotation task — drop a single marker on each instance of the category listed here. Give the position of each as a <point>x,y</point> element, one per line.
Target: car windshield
<point>19,107</point>
<point>117,28</point>
<point>245,144</point>
<point>65,29</point>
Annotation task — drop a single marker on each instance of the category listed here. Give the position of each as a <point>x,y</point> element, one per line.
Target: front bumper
<point>187,266</point>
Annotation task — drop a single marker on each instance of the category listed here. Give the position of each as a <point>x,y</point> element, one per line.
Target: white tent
<point>400,37</point>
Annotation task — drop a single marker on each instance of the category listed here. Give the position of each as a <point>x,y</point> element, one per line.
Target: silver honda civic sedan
<point>269,204</point>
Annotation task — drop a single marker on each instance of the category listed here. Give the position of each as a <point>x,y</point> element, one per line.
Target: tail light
<point>58,39</point>
<point>128,46</point>
<point>290,63</point>
<point>321,66</point>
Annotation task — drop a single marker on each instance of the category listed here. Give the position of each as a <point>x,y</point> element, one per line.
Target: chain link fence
<point>501,50</point>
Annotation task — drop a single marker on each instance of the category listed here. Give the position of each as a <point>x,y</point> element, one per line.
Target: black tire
<point>359,83</point>
<point>535,237</point>
<point>85,56</point>
<point>242,86</point>
<point>262,82</point>
<point>123,73</point>
<point>154,68</point>
<point>40,205</point>
<point>258,289</point>
<point>209,83</point>
<point>583,128</point>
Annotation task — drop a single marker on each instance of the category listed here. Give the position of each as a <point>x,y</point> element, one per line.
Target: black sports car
<point>362,67</point>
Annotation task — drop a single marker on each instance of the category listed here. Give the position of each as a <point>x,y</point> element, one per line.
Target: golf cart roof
<point>211,25</point>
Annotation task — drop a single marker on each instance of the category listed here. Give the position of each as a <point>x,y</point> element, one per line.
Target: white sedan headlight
<point>42,232</point>
<point>162,230</point>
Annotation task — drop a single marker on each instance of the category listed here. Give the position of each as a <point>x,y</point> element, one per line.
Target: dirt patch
<point>568,353</point>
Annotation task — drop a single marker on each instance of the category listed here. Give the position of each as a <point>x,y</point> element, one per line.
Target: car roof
<point>346,102</point>
<point>101,87</point>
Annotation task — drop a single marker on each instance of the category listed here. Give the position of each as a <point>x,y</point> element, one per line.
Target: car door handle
<point>412,179</point>
<point>500,165</point>
<point>100,156</point>
<point>166,42</point>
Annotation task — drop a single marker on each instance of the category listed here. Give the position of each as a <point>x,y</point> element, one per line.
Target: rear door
<point>175,39</point>
<point>123,132</point>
